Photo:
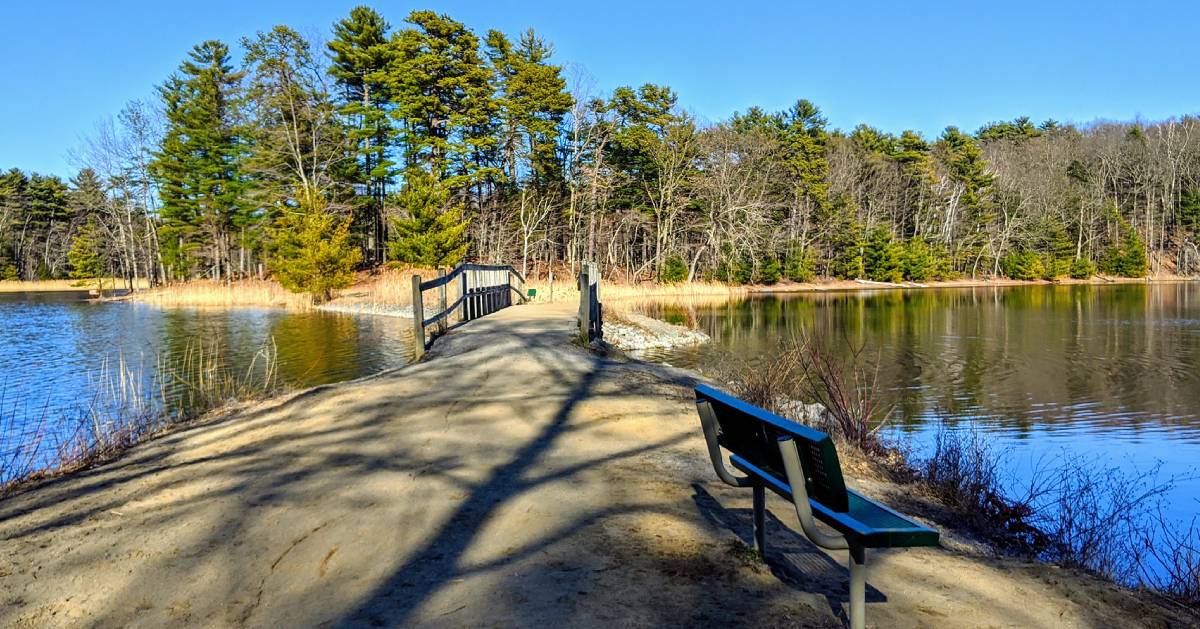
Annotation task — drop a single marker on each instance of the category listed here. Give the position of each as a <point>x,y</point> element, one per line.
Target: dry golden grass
<point>629,297</point>
<point>234,294</point>
<point>46,286</point>
<point>389,287</point>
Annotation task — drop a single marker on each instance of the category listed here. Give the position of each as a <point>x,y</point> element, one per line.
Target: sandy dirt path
<point>510,480</point>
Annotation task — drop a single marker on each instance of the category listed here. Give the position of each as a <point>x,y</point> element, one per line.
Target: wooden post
<point>585,307</point>
<point>442,303</point>
<point>465,315</point>
<point>551,290</point>
<point>418,320</point>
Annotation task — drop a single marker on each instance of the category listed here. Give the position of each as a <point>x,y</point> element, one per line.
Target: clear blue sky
<point>64,66</point>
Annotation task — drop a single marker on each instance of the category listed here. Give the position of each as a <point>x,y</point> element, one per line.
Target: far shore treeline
<point>426,143</point>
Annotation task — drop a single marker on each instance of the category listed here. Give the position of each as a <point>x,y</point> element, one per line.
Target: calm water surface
<point>54,347</point>
<point>1108,372</point>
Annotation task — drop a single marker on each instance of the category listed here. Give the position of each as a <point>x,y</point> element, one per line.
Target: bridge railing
<point>482,290</point>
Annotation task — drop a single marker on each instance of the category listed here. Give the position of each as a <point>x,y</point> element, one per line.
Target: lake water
<point>1111,372</point>
<point>55,347</point>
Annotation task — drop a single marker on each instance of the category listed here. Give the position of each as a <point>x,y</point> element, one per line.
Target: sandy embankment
<point>512,479</point>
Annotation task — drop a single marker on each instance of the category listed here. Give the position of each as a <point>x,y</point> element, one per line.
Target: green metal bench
<point>801,465</point>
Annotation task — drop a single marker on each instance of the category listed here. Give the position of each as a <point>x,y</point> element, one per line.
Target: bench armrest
<point>708,421</point>
<point>796,479</point>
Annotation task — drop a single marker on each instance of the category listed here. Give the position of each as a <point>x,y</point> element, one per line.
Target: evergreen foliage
<point>769,271</point>
<point>85,254</point>
<point>1023,265</point>
<point>311,250</point>
<point>199,163</point>
<point>800,264</point>
<point>920,261</point>
<point>1127,257</point>
<point>882,257</point>
<point>674,270</point>
<point>1082,269</point>
<point>429,230</point>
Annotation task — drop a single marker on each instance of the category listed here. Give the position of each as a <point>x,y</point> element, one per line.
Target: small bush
<point>882,257</point>
<point>769,271</point>
<point>801,265</point>
<point>1023,265</point>
<point>918,262</point>
<point>1082,268</point>
<point>1126,259</point>
<point>673,270</point>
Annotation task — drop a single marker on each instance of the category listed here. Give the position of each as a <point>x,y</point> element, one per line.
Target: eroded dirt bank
<point>511,480</point>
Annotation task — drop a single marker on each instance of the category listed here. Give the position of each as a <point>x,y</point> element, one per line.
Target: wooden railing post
<point>418,320</point>
<point>442,303</point>
<point>585,306</point>
<point>465,313</point>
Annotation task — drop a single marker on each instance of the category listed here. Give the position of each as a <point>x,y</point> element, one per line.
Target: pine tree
<point>85,254</point>
<point>443,95</point>
<point>198,165</point>
<point>430,231</point>
<point>361,53</point>
<point>311,248</point>
<point>532,101</point>
<point>800,265</point>
<point>882,257</point>
<point>964,158</point>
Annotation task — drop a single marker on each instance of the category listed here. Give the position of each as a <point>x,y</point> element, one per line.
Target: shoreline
<point>862,285</point>
<point>392,300</point>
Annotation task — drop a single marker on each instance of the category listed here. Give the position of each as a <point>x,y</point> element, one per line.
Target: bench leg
<point>858,587</point>
<point>760,512</point>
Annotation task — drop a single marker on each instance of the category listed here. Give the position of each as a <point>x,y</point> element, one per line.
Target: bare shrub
<point>963,473</point>
<point>1071,512</point>
<point>848,388</point>
<point>1094,517</point>
<point>1174,560</point>
<point>773,384</point>
<point>843,394</point>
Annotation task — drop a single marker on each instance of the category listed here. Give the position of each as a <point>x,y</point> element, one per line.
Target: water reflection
<point>54,346</point>
<point>1117,357</point>
<point>1107,372</point>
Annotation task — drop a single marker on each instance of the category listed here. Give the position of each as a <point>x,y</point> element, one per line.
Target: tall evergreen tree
<point>532,102</point>
<point>199,164</point>
<point>360,55</point>
<point>443,95</point>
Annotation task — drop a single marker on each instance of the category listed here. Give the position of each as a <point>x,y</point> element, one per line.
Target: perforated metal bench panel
<point>865,523</point>
<point>753,434</point>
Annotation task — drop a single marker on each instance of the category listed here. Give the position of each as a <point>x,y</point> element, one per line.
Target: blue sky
<point>65,66</point>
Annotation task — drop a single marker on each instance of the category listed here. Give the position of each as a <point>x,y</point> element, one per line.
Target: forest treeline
<point>427,143</point>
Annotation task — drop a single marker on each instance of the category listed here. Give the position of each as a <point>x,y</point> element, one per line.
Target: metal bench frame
<point>758,480</point>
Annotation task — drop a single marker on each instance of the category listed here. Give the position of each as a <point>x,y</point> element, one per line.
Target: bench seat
<point>866,523</point>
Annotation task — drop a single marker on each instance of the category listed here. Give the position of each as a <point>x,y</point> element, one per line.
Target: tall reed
<point>125,406</point>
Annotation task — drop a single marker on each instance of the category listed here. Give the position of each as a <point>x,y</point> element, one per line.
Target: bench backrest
<point>753,434</point>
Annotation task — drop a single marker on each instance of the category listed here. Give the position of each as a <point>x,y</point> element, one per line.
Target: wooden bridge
<point>485,288</point>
